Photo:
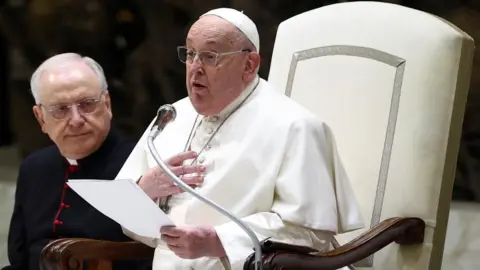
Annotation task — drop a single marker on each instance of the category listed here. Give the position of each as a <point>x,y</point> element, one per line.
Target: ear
<point>252,64</point>
<point>37,111</point>
<point>108,103</point>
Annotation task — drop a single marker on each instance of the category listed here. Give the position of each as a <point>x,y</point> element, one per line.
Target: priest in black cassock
<point>73,108</point>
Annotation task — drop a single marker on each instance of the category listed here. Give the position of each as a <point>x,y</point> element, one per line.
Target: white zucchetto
<point>241,21</point>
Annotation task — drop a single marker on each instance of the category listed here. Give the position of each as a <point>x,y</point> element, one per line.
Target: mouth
<point>197,85</point>
<point>78,135</point>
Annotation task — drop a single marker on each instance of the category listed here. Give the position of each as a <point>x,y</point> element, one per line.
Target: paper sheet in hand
<point>125,203</point>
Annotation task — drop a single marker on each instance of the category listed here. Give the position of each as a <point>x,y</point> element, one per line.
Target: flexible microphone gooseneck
<point>165,115</point>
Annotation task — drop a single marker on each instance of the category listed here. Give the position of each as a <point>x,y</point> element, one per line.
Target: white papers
<point>125,203</point>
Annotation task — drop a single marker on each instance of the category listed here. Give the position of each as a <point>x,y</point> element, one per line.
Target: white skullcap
<point>241,21</point>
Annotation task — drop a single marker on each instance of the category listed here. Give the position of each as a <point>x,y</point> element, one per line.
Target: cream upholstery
<point>392,83</point>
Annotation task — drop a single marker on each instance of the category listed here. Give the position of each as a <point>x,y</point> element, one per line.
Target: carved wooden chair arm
<point>70,253</point>
<point>67,253</point>
<point>403,231</point>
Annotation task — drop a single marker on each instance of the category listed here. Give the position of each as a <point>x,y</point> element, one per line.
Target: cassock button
<point>208,147</point>
<point>57,222</point>
<point>64,205</point>
<point>214,118</point>
<point>201,159</point>
<point>209,130</point>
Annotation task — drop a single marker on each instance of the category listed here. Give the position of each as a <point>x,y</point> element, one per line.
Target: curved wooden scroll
<point>403,231</point>
<point>70,253</point>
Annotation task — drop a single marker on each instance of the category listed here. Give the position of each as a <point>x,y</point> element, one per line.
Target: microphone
<point>165,115</point>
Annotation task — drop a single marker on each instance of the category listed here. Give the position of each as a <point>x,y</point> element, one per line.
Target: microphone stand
<point>165,115</point>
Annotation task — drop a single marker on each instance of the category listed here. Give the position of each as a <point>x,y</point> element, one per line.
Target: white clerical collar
<point>72,162</point>
<point>227,110</point>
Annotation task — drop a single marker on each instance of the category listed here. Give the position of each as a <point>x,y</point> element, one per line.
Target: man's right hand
<point>157,184</point>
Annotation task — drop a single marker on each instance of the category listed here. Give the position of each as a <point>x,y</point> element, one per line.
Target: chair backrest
<point>392,84</point>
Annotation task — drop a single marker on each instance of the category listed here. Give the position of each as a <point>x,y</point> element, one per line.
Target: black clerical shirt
<point>47,209</point>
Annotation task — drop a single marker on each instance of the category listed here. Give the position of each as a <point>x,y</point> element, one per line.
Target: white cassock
<point>272,163</point>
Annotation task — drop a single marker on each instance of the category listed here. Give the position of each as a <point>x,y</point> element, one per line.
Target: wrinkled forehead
<point>68,83</point>
<point>213,32</point>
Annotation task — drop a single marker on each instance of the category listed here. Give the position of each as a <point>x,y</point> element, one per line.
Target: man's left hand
<point>189,242</point>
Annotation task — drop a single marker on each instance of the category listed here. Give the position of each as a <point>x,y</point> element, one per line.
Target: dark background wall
<point>135,41</point>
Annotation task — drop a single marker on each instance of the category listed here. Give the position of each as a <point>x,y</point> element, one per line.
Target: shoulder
<point>123,146</point>
<point>183,107</point>
<point>180,105</point>
<point>183,104</point>
<point>40,158</point>
<point>285,113</point>
<point>37,163</point>
<point>291,123</point>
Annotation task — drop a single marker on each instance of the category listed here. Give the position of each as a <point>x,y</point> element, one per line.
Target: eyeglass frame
<point>217,55</point>
<point>95,101</point>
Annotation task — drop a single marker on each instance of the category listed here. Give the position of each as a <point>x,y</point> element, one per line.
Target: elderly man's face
<point>74,111</point>
<point>212,87</point>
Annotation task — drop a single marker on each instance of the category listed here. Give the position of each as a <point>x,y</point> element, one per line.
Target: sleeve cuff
<point>151,242</point>
<point>237,246</point>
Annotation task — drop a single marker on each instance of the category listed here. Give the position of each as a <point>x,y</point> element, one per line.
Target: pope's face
<point>73,110</point>
<point>214,79</point>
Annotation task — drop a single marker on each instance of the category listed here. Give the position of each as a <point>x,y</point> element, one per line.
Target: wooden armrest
<point>403,231</point>
<point>70,253</point>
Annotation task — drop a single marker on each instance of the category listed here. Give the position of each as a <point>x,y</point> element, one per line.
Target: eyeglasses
<point>207,58</point>
<point>86,106</point>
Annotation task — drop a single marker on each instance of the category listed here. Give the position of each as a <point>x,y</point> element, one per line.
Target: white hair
<point>60,59</point>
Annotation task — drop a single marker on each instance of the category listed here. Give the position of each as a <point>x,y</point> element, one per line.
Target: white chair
<point>392,84</point>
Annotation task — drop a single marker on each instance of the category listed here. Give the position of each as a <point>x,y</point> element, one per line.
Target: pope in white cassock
<point>248,148</point>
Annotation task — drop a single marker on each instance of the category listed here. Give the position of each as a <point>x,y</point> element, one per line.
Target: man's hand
<point>157,184</point>
<point>193,242</point>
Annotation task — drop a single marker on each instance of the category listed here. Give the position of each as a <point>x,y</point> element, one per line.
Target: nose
<point>77,119</point>
<point>196,64</point>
